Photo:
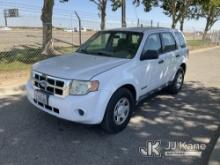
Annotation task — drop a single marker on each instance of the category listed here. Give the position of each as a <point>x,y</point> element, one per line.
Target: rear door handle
<point>177,55</point>
<point>161,61</point>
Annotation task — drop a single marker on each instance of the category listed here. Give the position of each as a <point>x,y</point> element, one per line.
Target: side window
<point>153,43</point>
<point>169,43</point>
<point>181,39</point>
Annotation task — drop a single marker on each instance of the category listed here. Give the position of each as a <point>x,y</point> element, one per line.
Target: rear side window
<point>153,43</point>
<point>181,39</point>
<point>169,43</point>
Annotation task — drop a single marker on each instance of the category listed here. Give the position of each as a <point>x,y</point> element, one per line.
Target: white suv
<point>108,75</point>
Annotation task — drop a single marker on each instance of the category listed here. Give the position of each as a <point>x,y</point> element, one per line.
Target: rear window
<point>181,39</point>
<point>169,43</point>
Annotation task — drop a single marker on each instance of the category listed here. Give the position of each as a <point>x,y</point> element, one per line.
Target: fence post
<point>80,34</point>
<point>151,23</point>
<point>218,37</point>
<point>72,29</point>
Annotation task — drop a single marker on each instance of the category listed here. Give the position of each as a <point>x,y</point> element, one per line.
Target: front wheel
<point>177,83</point>
<point>118,111</point>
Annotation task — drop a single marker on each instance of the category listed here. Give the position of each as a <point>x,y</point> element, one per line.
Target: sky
<point>30,13</point>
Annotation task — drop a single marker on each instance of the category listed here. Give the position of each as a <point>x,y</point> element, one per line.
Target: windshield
<point>113,44</point>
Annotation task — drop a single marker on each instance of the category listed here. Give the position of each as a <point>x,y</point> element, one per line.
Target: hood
<point>77,66</point>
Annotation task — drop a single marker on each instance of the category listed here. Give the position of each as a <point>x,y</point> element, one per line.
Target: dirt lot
<point>29,136</point>
<point>16,38</point>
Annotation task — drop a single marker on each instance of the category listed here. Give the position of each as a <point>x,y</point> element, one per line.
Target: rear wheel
<point>177,83</point>
<point>118,111</point>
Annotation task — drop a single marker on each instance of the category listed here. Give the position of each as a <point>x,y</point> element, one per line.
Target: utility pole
<point>123,13</point>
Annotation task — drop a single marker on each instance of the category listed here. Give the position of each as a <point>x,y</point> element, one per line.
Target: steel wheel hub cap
<point>179,81</point>
<point>121,111</point>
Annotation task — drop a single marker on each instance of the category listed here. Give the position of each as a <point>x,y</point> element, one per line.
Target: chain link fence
<point>215,37</point>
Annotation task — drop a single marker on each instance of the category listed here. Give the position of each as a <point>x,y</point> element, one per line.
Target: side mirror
<point>149,55</point>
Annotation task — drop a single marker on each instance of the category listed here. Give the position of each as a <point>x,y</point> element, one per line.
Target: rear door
<point>183,50</point>
<point>169,55</point>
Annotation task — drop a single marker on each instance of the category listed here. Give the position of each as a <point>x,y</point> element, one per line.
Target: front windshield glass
<point>113,44</point>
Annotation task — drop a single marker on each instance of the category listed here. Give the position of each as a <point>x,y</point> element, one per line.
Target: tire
<point>177,83</point>
<point>120,105</point>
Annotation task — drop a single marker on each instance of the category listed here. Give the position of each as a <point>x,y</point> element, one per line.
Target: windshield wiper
<point>94,53</point>
<point>83,51</point>
<point>103,53</point>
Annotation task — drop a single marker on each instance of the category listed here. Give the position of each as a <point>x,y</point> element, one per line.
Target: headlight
<point>78,87</point>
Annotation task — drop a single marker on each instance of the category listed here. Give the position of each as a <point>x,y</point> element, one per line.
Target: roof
<point>139,29</point>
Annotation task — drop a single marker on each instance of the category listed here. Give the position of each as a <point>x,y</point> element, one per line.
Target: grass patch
<point>14,66</point>
<point>21,55</point>
<point>197,43</point>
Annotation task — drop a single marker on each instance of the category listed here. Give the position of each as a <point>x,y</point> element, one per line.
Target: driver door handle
<point>177,55</point>
<point>161,61</point>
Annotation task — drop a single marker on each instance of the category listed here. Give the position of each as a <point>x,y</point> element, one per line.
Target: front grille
<point>52,85</point>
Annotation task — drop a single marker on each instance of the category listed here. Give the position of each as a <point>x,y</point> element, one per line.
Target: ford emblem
<point>43,83</point>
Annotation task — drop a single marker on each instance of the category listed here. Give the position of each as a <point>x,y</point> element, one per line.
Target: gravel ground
<point>23,38</point>
<point>29,136</point>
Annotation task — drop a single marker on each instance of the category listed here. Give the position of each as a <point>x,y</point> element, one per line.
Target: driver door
<point>151,69</point>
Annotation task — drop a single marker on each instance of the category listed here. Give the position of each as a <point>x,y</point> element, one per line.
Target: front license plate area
<point>41,97</point>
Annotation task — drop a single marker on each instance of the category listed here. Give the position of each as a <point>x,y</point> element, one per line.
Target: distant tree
<point>185,11</point>
<point>178,10</point>
<point>101,5</point>
<point>116,4</point>
<point>171,8</point>
<point>210,10</point>
<point>148,4</point>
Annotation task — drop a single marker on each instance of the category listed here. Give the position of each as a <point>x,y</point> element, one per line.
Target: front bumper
<point>93,105</point>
